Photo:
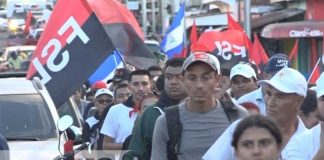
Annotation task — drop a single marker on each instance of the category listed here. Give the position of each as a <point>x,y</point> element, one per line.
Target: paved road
<point>3,39</point>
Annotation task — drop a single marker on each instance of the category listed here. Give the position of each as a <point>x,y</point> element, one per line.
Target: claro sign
<point>307,32</point>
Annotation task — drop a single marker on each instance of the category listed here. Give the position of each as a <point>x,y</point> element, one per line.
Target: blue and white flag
<point>174,40</point>
<point>107,69</point>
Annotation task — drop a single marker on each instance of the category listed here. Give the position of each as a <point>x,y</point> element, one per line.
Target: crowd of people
<point>194,109</point>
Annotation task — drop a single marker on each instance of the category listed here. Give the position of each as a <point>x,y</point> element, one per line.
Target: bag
<point>175,127</point>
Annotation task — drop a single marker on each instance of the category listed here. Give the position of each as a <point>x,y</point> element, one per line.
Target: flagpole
<point>317,63</point>
<point>185,30</point>
<point>120,56</point>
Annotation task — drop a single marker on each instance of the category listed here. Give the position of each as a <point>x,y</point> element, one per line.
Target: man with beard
<point>283,95</point>
<point>120,119</point>
<point>173,93</point>
<point>310,144</point>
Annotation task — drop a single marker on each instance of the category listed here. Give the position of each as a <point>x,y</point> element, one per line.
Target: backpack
<point>175,127</point>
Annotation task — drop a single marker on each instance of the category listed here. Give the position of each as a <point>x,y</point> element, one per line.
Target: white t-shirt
<point>306,145</point>
<point>255,97</point>
<point>118,124</point>
<point>222,149</point>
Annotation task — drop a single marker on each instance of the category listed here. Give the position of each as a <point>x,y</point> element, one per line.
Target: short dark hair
<point>154,68</point>
<point>310,103</point>
<point>226,72</point>
<point>147,95</point>
<point>174,62</point>
<point>160,83</point>
<point>119,86</point>
<point>141,72</point>
<point>256,121</point>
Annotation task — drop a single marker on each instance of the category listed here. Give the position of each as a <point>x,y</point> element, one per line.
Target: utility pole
<point>153,16</point>
<point>247,17</point>
<point>144,16</point>
<point>164,15</point>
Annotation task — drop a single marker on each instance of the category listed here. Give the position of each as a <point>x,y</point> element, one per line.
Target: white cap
<point>320,86</point>
<point>288,80</point>
<point>103,91</point>
<point>244,70</point>
<point>207,58</point>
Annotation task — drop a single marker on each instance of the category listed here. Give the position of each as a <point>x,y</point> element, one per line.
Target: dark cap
<point>120,74</point>
<point>276,63</point>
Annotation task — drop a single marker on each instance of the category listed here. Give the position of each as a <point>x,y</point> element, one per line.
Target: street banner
<point>125,32</point>
<point>173,43</point>
<point>230,46</point>
<point>70,49</point>
<point>258,56</point>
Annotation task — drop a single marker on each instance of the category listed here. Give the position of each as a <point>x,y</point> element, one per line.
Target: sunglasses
<point>102,101</point>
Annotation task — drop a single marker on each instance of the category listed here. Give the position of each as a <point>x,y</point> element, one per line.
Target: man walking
<point>200,119</point>
<point>174,92</point>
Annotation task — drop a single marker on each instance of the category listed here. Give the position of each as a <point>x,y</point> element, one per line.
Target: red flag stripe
<point>28,22</point>
<point>193,33</point>
<point>294,50</point>
<point>112,11</point>
<point>232,24</point>
<point>258,55</point>
<point>80,13</point>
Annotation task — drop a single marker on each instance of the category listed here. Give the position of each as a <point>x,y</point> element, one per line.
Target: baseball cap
<point>288,80</point>
<point>99,85</point>
<point>320,86</point>
<point>103,91</point>
<point>244,70</point>
<point>207,58</point>
<point>120,75</point>
<point>276,63</point>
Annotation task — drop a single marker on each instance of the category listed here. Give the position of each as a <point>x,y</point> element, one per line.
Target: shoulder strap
<point>160,110</point>
<point>174,130</point>
<point>230,110</point>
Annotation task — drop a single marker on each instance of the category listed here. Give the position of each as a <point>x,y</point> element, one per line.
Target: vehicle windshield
<point>24,117</point>
<point>153,47</point>
<point>19,15</point>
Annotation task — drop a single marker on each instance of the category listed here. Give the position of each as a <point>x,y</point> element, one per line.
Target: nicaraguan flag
<point>107,69</point>
<point>174,40</point>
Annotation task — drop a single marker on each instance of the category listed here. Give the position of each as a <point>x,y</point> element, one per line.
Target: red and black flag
<point>318,69</point>
<point>232,24</point>
<point>294,51</point>
<point>229,46</point>
<point>121,25</point>
<point>258,56</point>
<point>28,22</point>
<point>71,48</point>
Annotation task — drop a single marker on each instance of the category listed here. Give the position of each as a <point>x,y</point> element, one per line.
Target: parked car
<point>28,119</point>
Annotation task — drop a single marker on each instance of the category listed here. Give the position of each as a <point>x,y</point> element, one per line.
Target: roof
<point>16,86</point>
<point>275,16</point>
<point>294,29</point>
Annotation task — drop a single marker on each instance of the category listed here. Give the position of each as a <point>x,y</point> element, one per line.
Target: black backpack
<point>175,127</point>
